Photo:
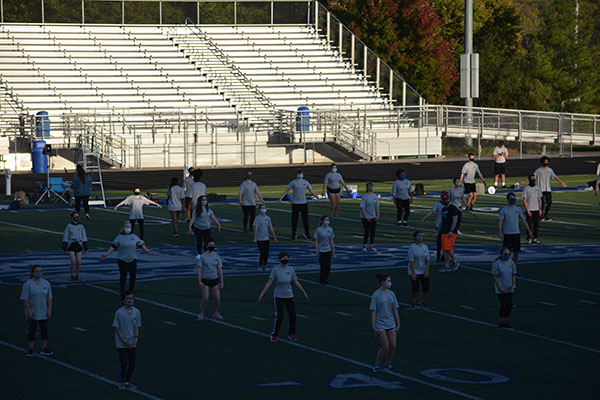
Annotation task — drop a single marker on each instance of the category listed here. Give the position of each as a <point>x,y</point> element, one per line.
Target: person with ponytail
<point>200,223</point>
<point>37,299</point>
<point>175,196</point>
<point>324,248</point>
<point>385,322</point>
<point>82,190</point>
<point>504,271</point>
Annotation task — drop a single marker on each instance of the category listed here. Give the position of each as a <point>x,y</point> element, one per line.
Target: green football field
<point>453,349</point>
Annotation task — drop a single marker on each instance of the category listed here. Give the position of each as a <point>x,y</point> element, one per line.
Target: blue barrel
<point>303,119</point>
<point>42,124</point>
<point>39,160</point>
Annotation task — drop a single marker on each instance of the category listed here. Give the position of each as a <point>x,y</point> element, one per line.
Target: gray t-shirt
<point>511,215</point>
<point>126,245</point>
<point>202,221</point>
<point>334,180</point>
<point>456,196</point>
<point>175,195</point>
<point>37,294</point>
<point>384,304</point>
<point>401,189</point>
<point>187,184</point>
<point>370,203</point>
<point>437,208</point>
<point>249,190</point>
<point>74,233</point>
<point>324,234</point>
<point>504,271</point>
<point>544,176</point>
<point>137,204</point>
<point>470,169</point>
<point>299,188</point>
<point>532,194</point>
<point>210,263</point>
<point>418,254</point>
<point>283,278</point>
<point>500,151</point>
<point>127,322</point>
<point>196,190</point>
<point>263,223</point>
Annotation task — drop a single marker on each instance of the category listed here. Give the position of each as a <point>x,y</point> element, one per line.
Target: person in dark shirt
<point>448,228</point>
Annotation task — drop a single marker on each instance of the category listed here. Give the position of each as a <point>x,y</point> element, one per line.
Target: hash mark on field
<point>547,304</point>
<point>357,236</point>
<point>257,318</point>
<point>343,313</point>
<point>79,329</point>
<point>467,307</point>
<point>587,301</point>
<point>302,315</point>
<point>169,323</point>
<point>388,235</point>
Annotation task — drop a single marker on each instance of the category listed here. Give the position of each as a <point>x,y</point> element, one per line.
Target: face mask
<point>505,256</point>
<point>127,231</point>
<point>471,159</point>
<point>204,202</point>
<point>249,177</point>
<point>326,223</point>
<point>456,183</point>
<point>75,220</point>
<point>129,302</point>
<point>210,248</point>
<point>545,164</point>
<point>388,284</point>
<point>136,193</point>
<point>419,239</point>
<point>512,201</point>
<point>532,182</point>
<point>370,189</point>
<point>263,210</point>
<point>401,176</point>
<point>300,176</point>
<point>284,261</point>
<point>37,274</point>
<point>334,170</point>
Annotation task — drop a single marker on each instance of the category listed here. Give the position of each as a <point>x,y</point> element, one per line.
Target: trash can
<point>303,119</point>
<point>38,159</point>
<point>42,124</point>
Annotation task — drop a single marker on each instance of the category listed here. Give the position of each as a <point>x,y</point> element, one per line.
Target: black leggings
<point>249,213</point>
<point>127,359</point>
<point>124,268</point>
<point>32,325</point>
<point>86,205</point>
<point>415,283</point>
<point>140,223</point>
<point>325,263</point>
<point>300,209</point>
<point>291,309</point>
<point>369,227</point>
<point>438,245</point>
<point>402,205</point>
<point>534,223</point>
<point>546,203</point>
<point>263,247</point>
<point>506,304</point>
<point>202,236</point>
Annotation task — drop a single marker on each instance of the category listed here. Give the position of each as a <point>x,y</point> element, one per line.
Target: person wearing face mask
<point>200,223</point>
<point>544,175</point>
<point>467,175</point>
<point>369,214</point>
<point>532,200</point>
<point>448,229</point>
<point>262,226</point>
<point>508,226</point>
<point>333,184</point>
<point>36,295</point>
<point>437,209</point>
<point>500,156</point>
<point>457,198</point>
<point>504,271</point>
<point>126,242</point>
<point>127,323</point>
<point>248,193</point>
<point>74,243</point>
<point>402,194</point>
<point>325,248</point>
<point>418,269</point>
<point>299,186</point>
<point>283,275</point>
<point>385,322</point>
<point>136,212</point>
<point>210,278</point>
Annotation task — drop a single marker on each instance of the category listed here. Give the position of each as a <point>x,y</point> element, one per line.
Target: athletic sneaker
<point>88,216</point>
<point>376,368</point>
<point>293,236</point>
<point>373,249</point>
<point>404,223</point>
<point>365,249</point>
<point>29,353</point>
<point>218,316</point>
<point>201,317</point>
<point>456,266</point>
<point>546,219</point>
<point>306,237</point>
<point>413,307</point>
<point>130,385</point>
<point>292,337</point>
<point>535,241</point>
<point>274,338</point>
<point>398,223</point>
<point>122,386</point>
<point>421,305</point>
<point>175,235</point>
<point>389,367</point>
<point>529,241</point>
<point>46,352</point>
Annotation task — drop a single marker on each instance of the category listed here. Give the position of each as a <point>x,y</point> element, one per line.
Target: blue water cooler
<point>303,120</point>
<point>42,124</point>
<point>38,158</point>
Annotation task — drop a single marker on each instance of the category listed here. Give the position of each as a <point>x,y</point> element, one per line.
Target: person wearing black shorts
<point>74,243</point>
<point>467,176</point>
<point>508,226</point>
<point>210,279</point>
<point>500,156</point>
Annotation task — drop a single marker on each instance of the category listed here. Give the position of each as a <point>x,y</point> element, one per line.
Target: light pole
<point>469,71</point>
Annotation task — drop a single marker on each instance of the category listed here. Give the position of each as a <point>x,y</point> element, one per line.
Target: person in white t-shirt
<point>187,184</point>
<point>500,155</point>
<point>385,322</point>
<point>175,196</point>
<point>418,269</point>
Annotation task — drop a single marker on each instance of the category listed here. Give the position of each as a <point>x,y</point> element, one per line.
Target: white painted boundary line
<point>495,326</point>
<point>309,348</point>
<point>48,231</point>
<point>536,281</point>
<point>81,371</point>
